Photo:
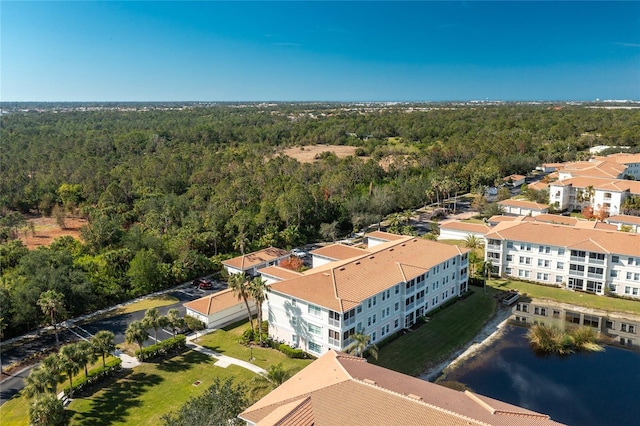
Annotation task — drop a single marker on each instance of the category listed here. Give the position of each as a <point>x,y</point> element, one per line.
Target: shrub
<point>167,347</point>
<point>95,376</point>
<point>292,353</point>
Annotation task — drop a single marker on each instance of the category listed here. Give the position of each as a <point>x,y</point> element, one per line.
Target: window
<point>560,265</point>
<point>396,306</point>
<point>523,273</point>
<point>373,336</point>
<point>628,328</point>
<point>556,314</point>
<point>630,261</point>
<point>508,271</point>
<point>314,347</point>
<point>314,329</point>
<point>525,260</point>
<point>397,289</point>
<point>509,244</point>
<point>525,246</point>
<point>542,277</point>
<point>396,323</point>
<point>610,325</point>
<point>540,311</point>
<point>359,309</point>
<point>560,252</point>
<point>544,249</point>
<point>334,338</point>
<point>558,279</point>
<point>629,275</point>
<point>613,273</point>
<point>578,253</point>
<point>544,263</point>
<point>597,257</point>
<point>591,321</point>
<point>293,302</point>
<point>509,258</point>
<point>314,310</point>
<point>375,298</point>
<point>572,317</point>
<point>615,259</point>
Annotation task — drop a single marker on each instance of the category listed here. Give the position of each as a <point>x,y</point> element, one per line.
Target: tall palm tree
<point>240,286</point>
<point>473,242</point>
<point>103,343</point>
<point>360,345</point>
<point>274,377</point>
<point>176,322</point>
<point>153,319</point>
<point>37,382</point>
<point>53,368</point>
<point>46,410</point>
<point>86,355</point>
<point>258,292</point>
<point>52,304</point>
<point>70,362</point>
<point>137,333</point>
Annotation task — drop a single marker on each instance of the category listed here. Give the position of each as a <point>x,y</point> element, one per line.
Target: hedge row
<point>292,353</point>
<point>95,376</point>
<point>167,347</point>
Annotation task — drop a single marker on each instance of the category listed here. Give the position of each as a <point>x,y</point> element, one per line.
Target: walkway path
<point>223,360</point>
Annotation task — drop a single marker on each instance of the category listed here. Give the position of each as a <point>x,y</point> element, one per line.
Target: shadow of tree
<point>114,404</point>
<point>183,362</point>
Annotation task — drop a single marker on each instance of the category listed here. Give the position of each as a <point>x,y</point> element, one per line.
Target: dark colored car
<point>203,283</point>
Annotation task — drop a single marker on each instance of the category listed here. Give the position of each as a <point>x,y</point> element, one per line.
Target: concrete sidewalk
<point>223,360</point>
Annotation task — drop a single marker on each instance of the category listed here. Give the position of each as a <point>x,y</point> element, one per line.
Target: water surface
<point>597,388</point>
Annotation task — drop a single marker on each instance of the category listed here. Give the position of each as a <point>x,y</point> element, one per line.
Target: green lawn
<point>225,341</point>
<point>151,390</point>
<point>611,304</point>
<point>446,332</point>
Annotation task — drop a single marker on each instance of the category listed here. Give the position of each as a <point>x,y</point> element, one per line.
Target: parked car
<point>203,283</point>
<point>299,253</point>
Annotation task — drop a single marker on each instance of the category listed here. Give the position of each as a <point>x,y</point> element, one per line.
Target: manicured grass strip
<point>611,304</point>
<point>143,305</point>
<point>15,412</point>
<point>225,341</point>
<point>446,332</point>
<point>151,390</point>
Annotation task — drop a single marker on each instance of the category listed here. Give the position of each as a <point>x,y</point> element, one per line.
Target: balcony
<point>594,275</point>
<point>334,342</point>
<point>596,261</point>
<point>408,307</point>
<point>576,273</point>
<point>334,322</point>
<point>577,259</point>
<point>494,246</point>
<point>349,321</point>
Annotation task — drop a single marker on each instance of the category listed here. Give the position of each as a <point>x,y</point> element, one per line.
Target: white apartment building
<point>377,292</point>
<point>591,260</point>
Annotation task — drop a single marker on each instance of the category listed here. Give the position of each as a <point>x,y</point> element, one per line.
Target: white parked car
<point>299,253</point>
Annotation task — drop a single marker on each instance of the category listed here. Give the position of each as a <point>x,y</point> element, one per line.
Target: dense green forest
<point>170,192</point>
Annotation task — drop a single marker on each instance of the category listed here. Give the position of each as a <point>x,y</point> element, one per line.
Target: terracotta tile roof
<point>338,251</point>
<point>252,259</point>
<point>344,285</point>
<point>359,393</point>
<point>279,272</point>
<point>538,186</point>
<point>624,219</point>
<point>564,236</point>
<point>513,177</point>
<point>524,204</point>
<point>215,302</point>
<point>594,168</point>
<point>620,158</point>
<point>502,218</point>
<point>554,218</point>
<point>612,185</point>
<point>466,226</point>
<point>384,236</point>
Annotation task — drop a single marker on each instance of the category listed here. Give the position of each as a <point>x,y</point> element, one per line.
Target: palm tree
<point>360,345</point>
<point>37,382</point>
<point>152,320</point>
<point>86,355</point>
<point>258,292</point>
<point>70,362</point>
<point>51,365</point>
<point>103,343</point>
<point>473,242</point>
<point>137,333</point>
<point>240,286</point>
<point>274,377</point>
<point>176,322</point>
<point>52,304</point>
<point>46,410</point>
<point>486,272</point>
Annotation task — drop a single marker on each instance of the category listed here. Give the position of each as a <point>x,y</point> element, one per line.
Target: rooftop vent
<point>371,257</point>
<point>357,262</point>
<point>416,397</point>
<point>342,269</point>
<point>369,381</point>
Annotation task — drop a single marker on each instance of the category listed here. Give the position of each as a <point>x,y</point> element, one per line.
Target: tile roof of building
<point>511,202</point>
<point>613,185</point>
<point>339,251</point>
<point>386,236</point>
<point>279,272</point>
<point>341,389</point>
<point>466,226</point>
<point>621,218</point>
<point>346,284</point>
<point>214,302</point>
<point>256,258</point>
<point>565,236</point>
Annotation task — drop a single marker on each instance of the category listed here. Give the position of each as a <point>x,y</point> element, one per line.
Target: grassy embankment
<point>447,331</point>
<point>155,388</point>
<point>610,304</point>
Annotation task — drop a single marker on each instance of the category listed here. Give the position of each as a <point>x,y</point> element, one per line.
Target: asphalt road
<point>116,324</point>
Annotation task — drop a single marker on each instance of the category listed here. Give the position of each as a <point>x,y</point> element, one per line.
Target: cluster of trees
<point>137,330</point>
<point>246,288</point>
<point>41,386</point>
<point>169,193</point>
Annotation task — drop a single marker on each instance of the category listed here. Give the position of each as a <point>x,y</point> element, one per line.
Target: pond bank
<point>492,330</point>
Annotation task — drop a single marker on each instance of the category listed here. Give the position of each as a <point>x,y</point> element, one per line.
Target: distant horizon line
<point>329,101</point>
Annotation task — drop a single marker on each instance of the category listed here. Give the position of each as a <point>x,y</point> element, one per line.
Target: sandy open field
<point>46,230</point>
<point>307,154</point>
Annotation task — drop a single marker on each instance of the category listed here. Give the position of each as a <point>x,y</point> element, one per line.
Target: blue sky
<point>316,51</point>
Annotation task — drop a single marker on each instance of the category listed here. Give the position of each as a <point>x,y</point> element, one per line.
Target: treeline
<point>169,193</point>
